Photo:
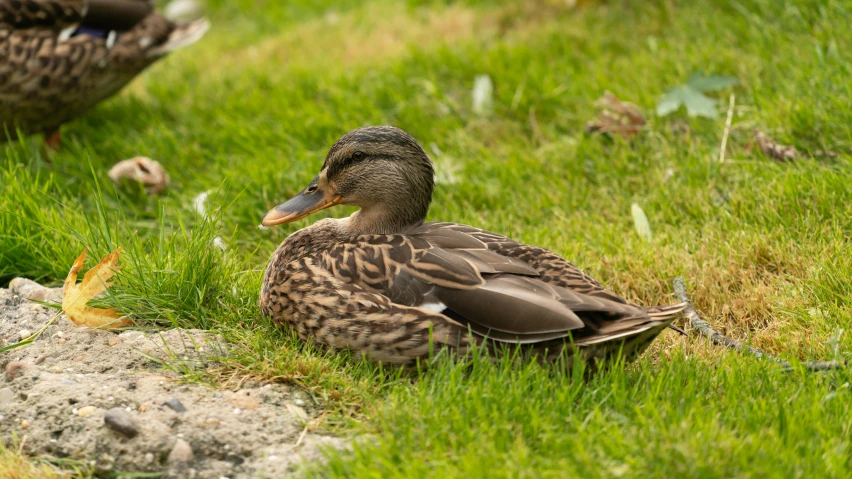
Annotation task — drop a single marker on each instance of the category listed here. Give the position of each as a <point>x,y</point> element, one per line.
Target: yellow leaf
<point>95,282</point>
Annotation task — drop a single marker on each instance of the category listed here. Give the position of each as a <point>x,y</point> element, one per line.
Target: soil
<point>106,398</point>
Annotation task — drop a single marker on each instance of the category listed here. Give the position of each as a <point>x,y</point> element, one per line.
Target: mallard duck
<point>58,58</point>
<point>387,284</point>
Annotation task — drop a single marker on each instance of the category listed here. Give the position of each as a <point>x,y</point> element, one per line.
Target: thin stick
<point>727,129</point>
<point>704,329</point>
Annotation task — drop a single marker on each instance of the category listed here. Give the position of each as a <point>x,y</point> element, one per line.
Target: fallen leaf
<point>703,83</point>
<point>297,412</point>
<point>95,282</point>
<point>774,150</point>
<point>616,117</point>
<point>640,222</point>
<point>691,95</point>
<point>143,170</point>
<point>243,401</point>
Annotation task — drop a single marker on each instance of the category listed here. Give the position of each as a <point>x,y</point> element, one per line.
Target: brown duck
<point>58,58</point>
<point>385,283</point>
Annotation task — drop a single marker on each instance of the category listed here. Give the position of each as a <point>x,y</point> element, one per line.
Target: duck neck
<point>386,219</point>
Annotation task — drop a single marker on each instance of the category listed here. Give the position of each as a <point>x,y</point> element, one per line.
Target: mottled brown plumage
<point>58,58</point>
<point>384,283</point>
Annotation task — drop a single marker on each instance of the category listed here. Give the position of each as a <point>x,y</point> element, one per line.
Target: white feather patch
<point>66,33</point>
<point>110,41</point>
<point>435,307</point>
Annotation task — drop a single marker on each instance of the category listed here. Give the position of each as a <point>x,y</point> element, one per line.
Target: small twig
<point>302,435</point>
<point>727,129</point>
<point>704,329</point>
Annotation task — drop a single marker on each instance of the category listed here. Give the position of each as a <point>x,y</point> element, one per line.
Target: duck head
<point>380,169</point>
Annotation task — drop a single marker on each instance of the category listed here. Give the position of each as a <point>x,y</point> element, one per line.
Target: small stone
<point>181,452</point>
<point>175,405</point>
<point>86,411</point>
<point>149,457</point>
<point>79,358</point>
<point>24,334</point>
<point>61,341</point>
<point>120,421</point>
<point>114,341</point>
<point>13,369</point>
<point>25,424</point>
<point>28,289</point>
<point>6,396</point>
<point>142,408</point>
<point>40,359</point>
<point>299,402</point>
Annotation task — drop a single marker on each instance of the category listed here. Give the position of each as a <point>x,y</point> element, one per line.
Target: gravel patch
<point>105,398</point>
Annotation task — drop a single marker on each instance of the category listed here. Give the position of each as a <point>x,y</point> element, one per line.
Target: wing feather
<point>498,288</point>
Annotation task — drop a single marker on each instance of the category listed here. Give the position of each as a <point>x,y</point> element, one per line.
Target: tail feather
<point>183,35</point>
<point>664,313</point>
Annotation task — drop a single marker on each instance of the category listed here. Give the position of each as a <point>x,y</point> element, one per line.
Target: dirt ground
<point>105,398</point>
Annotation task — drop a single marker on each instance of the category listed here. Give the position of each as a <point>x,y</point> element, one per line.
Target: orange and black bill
<point>310,200</point>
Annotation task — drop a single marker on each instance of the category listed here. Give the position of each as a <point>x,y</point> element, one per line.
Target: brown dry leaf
<point>142,169</point>
<point>616,117</point>
<point>95,282</point>
<point>774,150</point>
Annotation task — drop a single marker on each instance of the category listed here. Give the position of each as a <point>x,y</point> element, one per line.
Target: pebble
<point>61,341</point>
<point>299,402</point>
<point>175,405</point>
<point>24,334</point>
<point>149,457</point>
<point>40,359</point>
<point>86,411</point>
<point>120,421</point>
<point>6,396</point>
<point>13,369</point>
<point>25,424</point>
<point>114,341</point>
<point>181,452</point>
<point>28,289</point>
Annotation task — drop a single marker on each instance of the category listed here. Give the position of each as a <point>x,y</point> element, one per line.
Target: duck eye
<point>357,155</point>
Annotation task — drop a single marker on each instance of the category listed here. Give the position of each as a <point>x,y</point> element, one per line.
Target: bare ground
<point>57,391</point>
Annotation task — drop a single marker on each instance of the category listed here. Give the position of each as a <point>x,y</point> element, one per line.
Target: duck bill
<point>300,206</point>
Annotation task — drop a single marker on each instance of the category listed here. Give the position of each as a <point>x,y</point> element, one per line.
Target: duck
<point>386,284</point>
<point>59,58</point>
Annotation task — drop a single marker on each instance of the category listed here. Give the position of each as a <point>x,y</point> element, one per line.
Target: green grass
<point>248,113</point>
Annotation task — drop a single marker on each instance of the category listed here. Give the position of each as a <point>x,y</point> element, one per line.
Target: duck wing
<point>552,268</point>
<point>57,15</point>
<point>453,272</point>
<point>48,14</point>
